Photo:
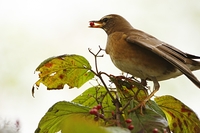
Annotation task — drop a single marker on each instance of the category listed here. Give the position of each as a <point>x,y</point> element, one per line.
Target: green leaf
<point>180,117</point>
<point>97,95</point>
<point>152,105</point>
<point>76,124</point>
<point>93,96</point>
<point>52,121</point>
<point>150,120</point>
<point>55,72</point>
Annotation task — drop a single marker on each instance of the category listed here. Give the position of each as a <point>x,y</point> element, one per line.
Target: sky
<point>32,31</point>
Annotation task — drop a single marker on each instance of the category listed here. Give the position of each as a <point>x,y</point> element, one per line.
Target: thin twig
<point>95,57</point>
<point>123,108</point>
<point>104,84</point>
<point>99,75</point>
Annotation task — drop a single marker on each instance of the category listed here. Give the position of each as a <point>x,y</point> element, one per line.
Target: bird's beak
<point>95,24</point>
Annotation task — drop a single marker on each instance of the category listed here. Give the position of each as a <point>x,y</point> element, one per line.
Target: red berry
<point>99,106</point>
<point>91,112</point>
<point>130,127</point>
<point>155,130</point>
<point>128,120</point>
<point>101,116</point>
<point>94,111</point>
<point>91,23</point>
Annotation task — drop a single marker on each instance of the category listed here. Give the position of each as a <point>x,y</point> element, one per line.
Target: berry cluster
<point>95,111</point>
<point>130,126</point>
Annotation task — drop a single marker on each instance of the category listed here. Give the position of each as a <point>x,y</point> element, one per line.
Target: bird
<point>142,55</point>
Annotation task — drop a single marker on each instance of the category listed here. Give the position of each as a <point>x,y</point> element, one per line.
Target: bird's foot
<point>142,104</point>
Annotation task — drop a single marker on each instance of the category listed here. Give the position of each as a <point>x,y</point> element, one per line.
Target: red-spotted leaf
<point>181,118</point>
<point>55,72</point>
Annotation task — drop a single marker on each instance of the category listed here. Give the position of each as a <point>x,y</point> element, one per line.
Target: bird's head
<point>111,23</point>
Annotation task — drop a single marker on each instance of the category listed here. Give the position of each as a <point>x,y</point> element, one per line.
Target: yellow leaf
<point>55,72</point>
<point>181,118</point>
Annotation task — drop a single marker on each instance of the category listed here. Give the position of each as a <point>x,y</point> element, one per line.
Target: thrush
<point>143,55</point>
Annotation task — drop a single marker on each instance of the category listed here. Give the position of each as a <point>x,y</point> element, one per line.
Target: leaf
<point>128,88</point>
<point>52,121</point>
<point>93,96</point>
<point>55,72</point>
<point>76,124</point>
<point>97,95</point>
<point>150,120</point>
<point>152,104</point>
<point>180,117</point>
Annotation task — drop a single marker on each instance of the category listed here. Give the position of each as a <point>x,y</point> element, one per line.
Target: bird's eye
<point>105,20</point>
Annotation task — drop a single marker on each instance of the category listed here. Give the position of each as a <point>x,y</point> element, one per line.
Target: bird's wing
<point>185,55</point>
<point>171,54</point>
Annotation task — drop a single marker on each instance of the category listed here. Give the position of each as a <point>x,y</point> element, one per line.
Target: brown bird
<point>142,55</point>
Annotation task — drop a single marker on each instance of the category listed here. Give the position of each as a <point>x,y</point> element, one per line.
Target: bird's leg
<point>142,104</point>
<point>156,88</point>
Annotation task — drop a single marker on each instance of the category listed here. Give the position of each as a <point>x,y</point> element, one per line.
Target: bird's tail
<point>194,65</point>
